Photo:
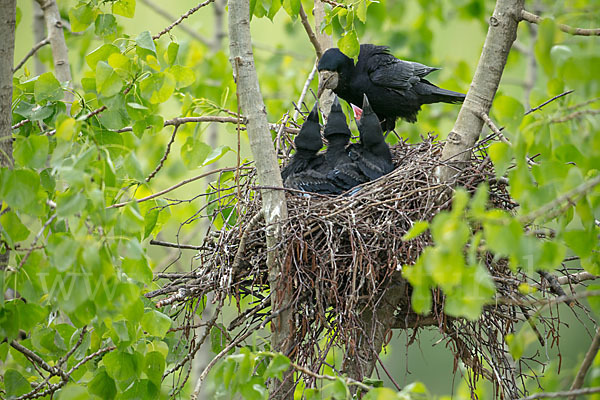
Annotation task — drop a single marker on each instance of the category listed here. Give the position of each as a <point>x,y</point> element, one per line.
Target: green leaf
<point>100,54</point>
<point>381,394</point>
<point>184,76</point>
<point>156,323</point>
<point>137,269</point>
<point>361,11</point>
<point>62,249</point>
<point>123,366</point>
<point>157,88</point>
<point>108,82</point>
<point>172,51</point>
<point>275,6</point>
<point>543,45</point>
<point>32,151</point>
<point>15,384</point>
<point>216,154</point>
<point>278,365</point>
<point>517,343</point>
<point>125,8</point>
<point>509,112</point>
<point>154,366</point>
<point>336,389</point>
<point>194,152</point>
<point>70,203</point>
<point>349,45</point>
<point>501,155</point>
<point>292,7</point>
<point>19,189</point>
<point>30,315</point>
<point>218,340</point>
<point>106,24</point>
<point>102,385</point>
<point>145,44</point>
<point>47,88</point>
<point>502,237</point>
<point>81,17</point>
<point>582,242</point>
<point>73,391</point>
<point>13,227</point>
<point>418,228</point>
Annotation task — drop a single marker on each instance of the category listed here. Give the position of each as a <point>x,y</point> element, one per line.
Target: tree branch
<point>548,101</point>
<point>554,395</point>
<point>164,157</point>
<point>536,19</point>
<point>501,34</point>
<point>311,34</point>
<point>587,362</point>
<point>170,189</point>
<point>33,50</point>
<point>170,17</point>
<point>180,19</point>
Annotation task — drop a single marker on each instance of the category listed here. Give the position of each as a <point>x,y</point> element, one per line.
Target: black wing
<point>388,71</point>
<point>312,181</point>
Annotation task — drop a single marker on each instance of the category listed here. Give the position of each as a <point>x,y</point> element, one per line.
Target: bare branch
<point>573,279</point>
<point>548,101</point>
<point>35,239</point>
<point>334,4</point>
<point>180,19</point>
<point>175,245</point>
<point>587,362</point>
<point>576,114</point>
<point>536,19</point>
<point>311,34</point>
<point>488,121</point>
<point>184,182</point>
<point>567,198</point>
<point>170,17</point>
<point>33,50</point>
<point>554,395</point>
<point>164,157</point>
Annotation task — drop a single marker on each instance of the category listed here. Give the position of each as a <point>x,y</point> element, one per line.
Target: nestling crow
<point>372,155</point>
<point>396,88</point>
<point>307,169</point>
<point>343,171</point>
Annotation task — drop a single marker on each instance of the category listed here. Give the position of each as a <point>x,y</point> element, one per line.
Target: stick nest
<point>344,255</point>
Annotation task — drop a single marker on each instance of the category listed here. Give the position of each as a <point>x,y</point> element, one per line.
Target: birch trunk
<point>8,10</point>
<point>500,37</point>
<point>274,205</point>
<point>60,52</point>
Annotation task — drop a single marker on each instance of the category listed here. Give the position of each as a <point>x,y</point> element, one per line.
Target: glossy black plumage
<point>343,171</point>
<point>307,170</point>
<point>372,155</point>
<point>396,88</point>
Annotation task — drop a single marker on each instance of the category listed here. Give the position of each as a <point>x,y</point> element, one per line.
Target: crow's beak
<point>327,80</point>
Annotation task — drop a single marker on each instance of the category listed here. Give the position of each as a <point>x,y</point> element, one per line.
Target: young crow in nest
<point>396,88</point>
<point>343,171</point>
<point>305,171</point>
<point>372,155</point>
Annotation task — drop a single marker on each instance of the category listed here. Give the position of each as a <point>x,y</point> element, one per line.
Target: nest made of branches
<point>344,254</point>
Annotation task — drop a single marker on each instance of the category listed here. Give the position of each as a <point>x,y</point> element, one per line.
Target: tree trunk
<point>60,52</point>
<point>274,205</point>
<point>8,10</point>
<point>39,34</point>
<point>501,34</point>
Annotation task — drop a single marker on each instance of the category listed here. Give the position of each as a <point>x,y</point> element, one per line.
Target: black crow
<point>372,155</point>
<point>343,171</point>
<point>306,169</point>
<point>395,88</point>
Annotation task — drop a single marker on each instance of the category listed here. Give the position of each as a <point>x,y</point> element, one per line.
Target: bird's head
<point>336,122</point>
<point>332,63</point>
<point>368,124</point>
<point>309,137</point>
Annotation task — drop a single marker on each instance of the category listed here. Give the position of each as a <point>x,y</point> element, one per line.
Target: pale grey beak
<point>327,80</point>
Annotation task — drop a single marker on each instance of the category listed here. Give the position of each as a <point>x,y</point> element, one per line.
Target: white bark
<point>60,52</point>
<point>501,34</point>
<point>273,201</point>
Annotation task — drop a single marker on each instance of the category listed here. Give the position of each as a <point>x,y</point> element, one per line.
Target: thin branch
<point>574,115</point>
<point>334,4</point>
<point>348,380</point>
<point>587,362</point>
<point>164,157</point>
<point>170,17</point>
<point>548,101</point>
<point>572,278</point>
<point>311,34</point>
<point>180,19</point>
<point>19,124</point>
<point>37,359</point>
<point>536,19</point>
<point>554,395</point>
<point>35,239</point>
<point>184,182</point>
<point>33,50</point>
<point>488,121</point>
<point>568,198</point>
<point>175,245</point>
